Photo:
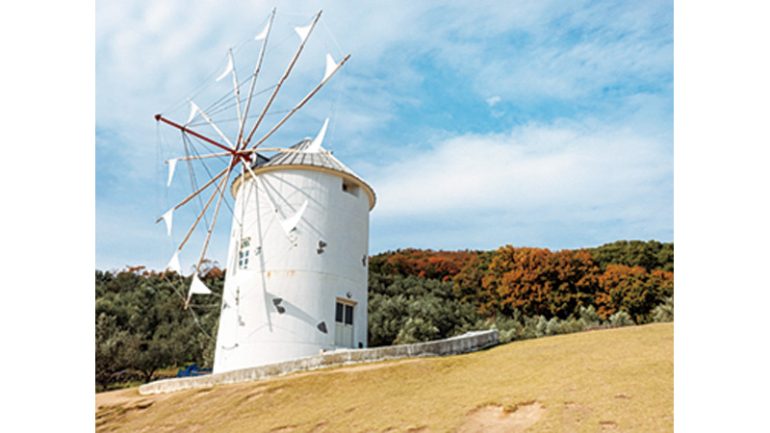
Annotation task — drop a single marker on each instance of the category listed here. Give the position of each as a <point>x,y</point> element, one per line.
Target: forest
<point>143,332</point>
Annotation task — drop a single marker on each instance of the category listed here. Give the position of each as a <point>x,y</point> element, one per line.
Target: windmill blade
<point>160,118</point>
<point>228,69</point>
<point>240,152</point>
<point>289,224</point>
<point>281,81</point>
<point>254,76</point>
<point>315,145</point>
<point>206,156</point>
<point>171,167</point>
<point>299,105</point>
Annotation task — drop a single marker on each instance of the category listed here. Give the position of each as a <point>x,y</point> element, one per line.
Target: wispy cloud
<point>563,169</point>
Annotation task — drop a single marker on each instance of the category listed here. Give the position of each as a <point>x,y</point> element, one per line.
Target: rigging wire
<point>208,171</point>
<point>194,183</point>
<point>234,119</point>
<point>207,81</point>
<point>191,310</point>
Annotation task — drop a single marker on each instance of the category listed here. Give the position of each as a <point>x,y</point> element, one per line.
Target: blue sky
<point>477,123</point>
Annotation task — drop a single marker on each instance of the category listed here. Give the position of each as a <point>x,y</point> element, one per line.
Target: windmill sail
<point>291,222</point>
<point>197,287</point>
<point>228,69</point>
<point>171,167</point>
<point>263,34</point>
<point>331,67</point>
<point>193,112</point>
<point>174,264</point>
<point>315,145</point>
<point>303,31</point>
<point>168,218</point>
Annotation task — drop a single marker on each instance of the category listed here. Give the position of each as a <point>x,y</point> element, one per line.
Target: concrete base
<point>468,342</point>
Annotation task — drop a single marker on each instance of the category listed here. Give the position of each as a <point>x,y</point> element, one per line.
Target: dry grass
<point>618,380</point>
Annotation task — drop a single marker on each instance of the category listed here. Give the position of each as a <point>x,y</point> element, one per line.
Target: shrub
<point>664,312</point>
<point>589,317</point>
<point>621,318</point>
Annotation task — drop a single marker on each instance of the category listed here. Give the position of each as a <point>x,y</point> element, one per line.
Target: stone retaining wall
<point>469,342</point>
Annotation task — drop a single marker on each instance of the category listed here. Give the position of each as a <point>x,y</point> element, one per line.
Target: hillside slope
<point>601,381</point>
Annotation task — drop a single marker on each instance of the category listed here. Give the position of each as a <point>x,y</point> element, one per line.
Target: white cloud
<point>493,100</point>
<point>558,169</point>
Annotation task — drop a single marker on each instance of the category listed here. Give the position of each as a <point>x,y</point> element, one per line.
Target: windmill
<point>296,281</point>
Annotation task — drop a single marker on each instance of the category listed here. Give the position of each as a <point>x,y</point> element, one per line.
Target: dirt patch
<point>574,414</point>
<point>496,419</point>
<point>608,425</point>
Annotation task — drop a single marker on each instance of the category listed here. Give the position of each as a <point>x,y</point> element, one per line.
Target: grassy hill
<point>616,380</point>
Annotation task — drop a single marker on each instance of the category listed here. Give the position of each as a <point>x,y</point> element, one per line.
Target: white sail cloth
<point>168,218</point>
<point>262,35</point>
<point>194,109</point>
<point>228,68</point>
<point>291,222</point>
<point>303,32</point>
<point>331,67</point>
<point>315,145</point>
<point>174,264</point>
<point>171,167</point>
<point>197,287</point>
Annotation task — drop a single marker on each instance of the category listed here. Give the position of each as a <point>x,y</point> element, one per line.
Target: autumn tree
<point>632,289</point>
<point>516,281</point>
<point>468,283</point>
<point>574,281</point>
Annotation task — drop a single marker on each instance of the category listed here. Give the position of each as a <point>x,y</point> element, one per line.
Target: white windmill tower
<point>296,281</point>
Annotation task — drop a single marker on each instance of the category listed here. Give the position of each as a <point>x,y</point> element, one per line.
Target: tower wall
<point>252,331</point>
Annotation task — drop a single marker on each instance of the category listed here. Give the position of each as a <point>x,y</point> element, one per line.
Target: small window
<point>344,314</point>
<point>243,254</point>
<point>350,188</point>
<point>243,259</point>
<point>339,313</point>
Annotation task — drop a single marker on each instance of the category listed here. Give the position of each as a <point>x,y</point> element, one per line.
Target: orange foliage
<point>535,281</point>
<point>440,265</point>
<point>633,290</point>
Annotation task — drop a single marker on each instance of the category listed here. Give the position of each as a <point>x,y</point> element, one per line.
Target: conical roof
<point>297,157</point>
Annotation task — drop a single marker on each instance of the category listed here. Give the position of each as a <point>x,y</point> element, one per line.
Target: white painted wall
<point>251,331</point>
